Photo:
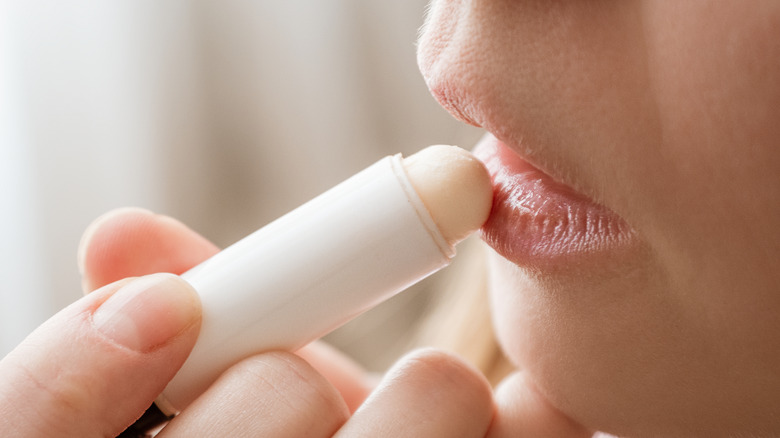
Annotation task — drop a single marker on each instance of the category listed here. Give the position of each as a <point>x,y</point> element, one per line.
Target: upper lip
<point>476,96</point>
<point>472,104</point>
<point>468,105</point>
<point>470,110</point>
<point>456,106</point>
<point>473,96</point>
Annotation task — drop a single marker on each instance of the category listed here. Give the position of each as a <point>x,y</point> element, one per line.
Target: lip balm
<point>340,254</point>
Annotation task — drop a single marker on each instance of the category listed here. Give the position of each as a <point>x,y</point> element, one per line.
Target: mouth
<point>538,222</point>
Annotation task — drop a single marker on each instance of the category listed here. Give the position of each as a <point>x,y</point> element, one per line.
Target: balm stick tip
<point>455,188</point>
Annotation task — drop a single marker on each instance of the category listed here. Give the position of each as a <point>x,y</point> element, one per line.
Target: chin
<point>603,347</point>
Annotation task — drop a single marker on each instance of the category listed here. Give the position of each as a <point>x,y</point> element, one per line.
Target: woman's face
<point>637,269</point>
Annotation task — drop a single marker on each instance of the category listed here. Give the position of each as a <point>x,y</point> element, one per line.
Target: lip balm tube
<point>321,265</point>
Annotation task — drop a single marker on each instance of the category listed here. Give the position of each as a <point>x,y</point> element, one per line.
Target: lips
<point>538,222</point>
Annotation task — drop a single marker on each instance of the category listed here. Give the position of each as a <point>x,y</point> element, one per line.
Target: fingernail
<point>148,311</point>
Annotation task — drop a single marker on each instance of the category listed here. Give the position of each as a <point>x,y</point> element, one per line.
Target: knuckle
<point>446,374</point>
<point>291,383</point>
<point>61,395</point>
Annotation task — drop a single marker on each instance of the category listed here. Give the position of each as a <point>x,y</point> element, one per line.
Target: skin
<point>662,111</point>
<point>666,113</point>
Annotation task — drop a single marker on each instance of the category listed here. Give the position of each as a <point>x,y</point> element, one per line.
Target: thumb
<point>94,367</point>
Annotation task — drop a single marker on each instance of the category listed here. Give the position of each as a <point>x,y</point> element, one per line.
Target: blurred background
<point>223,114</point>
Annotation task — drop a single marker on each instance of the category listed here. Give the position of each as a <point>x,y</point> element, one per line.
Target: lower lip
<point>537,222</point>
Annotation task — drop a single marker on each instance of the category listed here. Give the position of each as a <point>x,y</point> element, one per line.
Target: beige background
<point>223,114</point>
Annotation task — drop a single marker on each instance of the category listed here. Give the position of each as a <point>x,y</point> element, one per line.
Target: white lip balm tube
<point>324,263</point>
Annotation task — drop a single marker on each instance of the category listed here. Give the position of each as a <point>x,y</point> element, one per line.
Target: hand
<point>94,367</point>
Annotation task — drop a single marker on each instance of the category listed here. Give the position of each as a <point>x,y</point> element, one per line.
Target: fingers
<point>95,366</point>
<point>522,408</point>
<point>130,241</point>
<point>346,375</point>
<point>273,394</point>
<point>428,394</point>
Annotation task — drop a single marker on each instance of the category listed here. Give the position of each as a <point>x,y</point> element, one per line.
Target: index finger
<point>131,242</point>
